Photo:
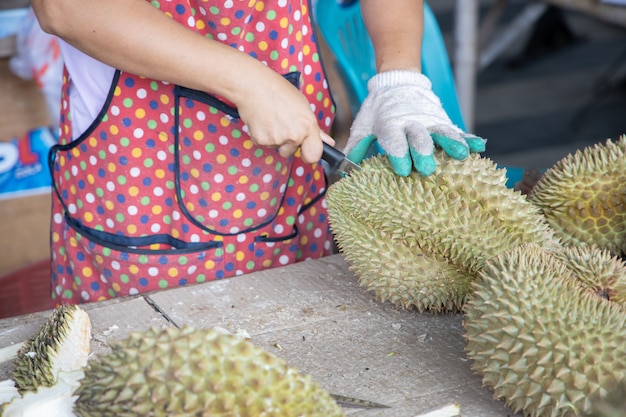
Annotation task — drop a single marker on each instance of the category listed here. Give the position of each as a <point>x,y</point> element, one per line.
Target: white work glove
<point>407,118</point>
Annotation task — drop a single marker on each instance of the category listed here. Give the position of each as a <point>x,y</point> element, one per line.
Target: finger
<point>475,143</point>
<point>424,164</point>
<point>357,134</point>
<point>394,142</point>
<point>287,149</point>
<point>419,139</point>
<point>421,147</point>
<point>402,166</point>
<point>457,149</point>
<point>327,138</point>
<point>311,148</point>
<point>361,149</point>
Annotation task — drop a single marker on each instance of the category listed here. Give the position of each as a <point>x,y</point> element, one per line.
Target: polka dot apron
<point>165,188</point>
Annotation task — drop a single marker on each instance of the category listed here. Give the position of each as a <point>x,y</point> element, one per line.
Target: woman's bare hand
<point>279,116</point>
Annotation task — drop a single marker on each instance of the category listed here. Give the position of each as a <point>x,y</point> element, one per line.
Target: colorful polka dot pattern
<point>140,205</point>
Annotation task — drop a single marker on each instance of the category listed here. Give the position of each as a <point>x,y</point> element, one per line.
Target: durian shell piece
<point>53,401</point>
<point>544,341</point>
<point>62,343</point>
<point>583,196</point>
<point>174,372</point>
<point>419,241</point>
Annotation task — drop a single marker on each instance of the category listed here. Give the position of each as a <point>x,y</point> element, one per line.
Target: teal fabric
<point>452,147</point>
<point>424,164</point>
<point>475,143</point>
<point>363,149</point>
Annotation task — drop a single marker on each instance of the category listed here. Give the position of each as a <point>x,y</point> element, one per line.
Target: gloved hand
<point>407,118</point>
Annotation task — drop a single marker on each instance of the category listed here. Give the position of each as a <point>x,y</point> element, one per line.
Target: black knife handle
<point>332,156</point>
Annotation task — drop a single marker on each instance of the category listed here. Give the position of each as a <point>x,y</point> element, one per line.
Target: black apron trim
<point>212,100</point>
<point>272,239</point>
<point>135,244</point>
<point>72,144</point>
<point>312,202</point>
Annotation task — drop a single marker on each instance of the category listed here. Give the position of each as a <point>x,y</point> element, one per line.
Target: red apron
<point>166,188</point>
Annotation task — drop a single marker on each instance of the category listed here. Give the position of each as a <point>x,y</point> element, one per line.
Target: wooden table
<point>316,316</point>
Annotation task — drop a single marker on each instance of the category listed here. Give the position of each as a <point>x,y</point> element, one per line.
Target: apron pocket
<point>101,270</point>
<point>271,252</point>
<point>224,183</point>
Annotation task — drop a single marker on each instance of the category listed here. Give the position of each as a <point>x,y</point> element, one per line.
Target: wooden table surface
<point>316,316</point>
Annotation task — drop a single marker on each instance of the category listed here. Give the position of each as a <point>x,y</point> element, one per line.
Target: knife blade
<point>351,402</point>
<point>336,160</point>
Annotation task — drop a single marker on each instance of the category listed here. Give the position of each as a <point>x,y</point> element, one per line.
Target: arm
<point>135,37</point>
<point>396,31</point>
<point>401,110</point>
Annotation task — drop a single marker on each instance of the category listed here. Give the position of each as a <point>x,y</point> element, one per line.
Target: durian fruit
<point>583,196</point>
<point>62,343</point>
<point>171,372</point>
<point>547,328</point>
<point>614,405</point>
<point>193,372</point>
<point>420,241</point>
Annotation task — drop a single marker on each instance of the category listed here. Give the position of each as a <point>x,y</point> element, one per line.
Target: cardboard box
<point>24,221</point>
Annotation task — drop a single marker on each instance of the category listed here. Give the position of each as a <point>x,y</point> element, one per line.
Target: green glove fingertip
<point>454,148</point>
<point>424,164</point>
<point>361,149</point>
<point>401,165</point>
<point>475,143</point>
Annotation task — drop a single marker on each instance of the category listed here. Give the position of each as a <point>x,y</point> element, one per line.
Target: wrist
<point>394,78</point>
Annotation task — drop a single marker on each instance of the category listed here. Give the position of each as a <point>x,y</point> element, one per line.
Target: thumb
<point>360,149</point>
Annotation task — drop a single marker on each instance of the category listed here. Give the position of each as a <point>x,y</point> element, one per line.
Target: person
<point>191,131</point>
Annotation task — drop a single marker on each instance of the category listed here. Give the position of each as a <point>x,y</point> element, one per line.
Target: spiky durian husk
<point>61,344</point>
<point>542,336</point>
<point>193,372</point>
<point>599,272</point>
<point>614,405</point>
<point>53,401</point>
<point>583,196</point>
<point>420,241</point>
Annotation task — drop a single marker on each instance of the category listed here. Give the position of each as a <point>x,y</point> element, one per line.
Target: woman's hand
<point>134,36</point>
<point>279,116</point>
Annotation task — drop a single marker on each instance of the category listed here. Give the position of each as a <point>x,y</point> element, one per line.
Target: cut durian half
<point>61,344</point>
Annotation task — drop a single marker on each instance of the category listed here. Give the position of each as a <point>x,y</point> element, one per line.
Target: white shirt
<point>90,83</point>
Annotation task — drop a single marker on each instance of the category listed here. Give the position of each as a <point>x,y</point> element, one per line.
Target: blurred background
<point>559,82</point>
<point>537,79</point>
<point>548,79</point>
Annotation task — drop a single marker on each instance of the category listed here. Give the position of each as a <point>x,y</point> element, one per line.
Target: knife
<point>336,161</point>
<point>350,402</point>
